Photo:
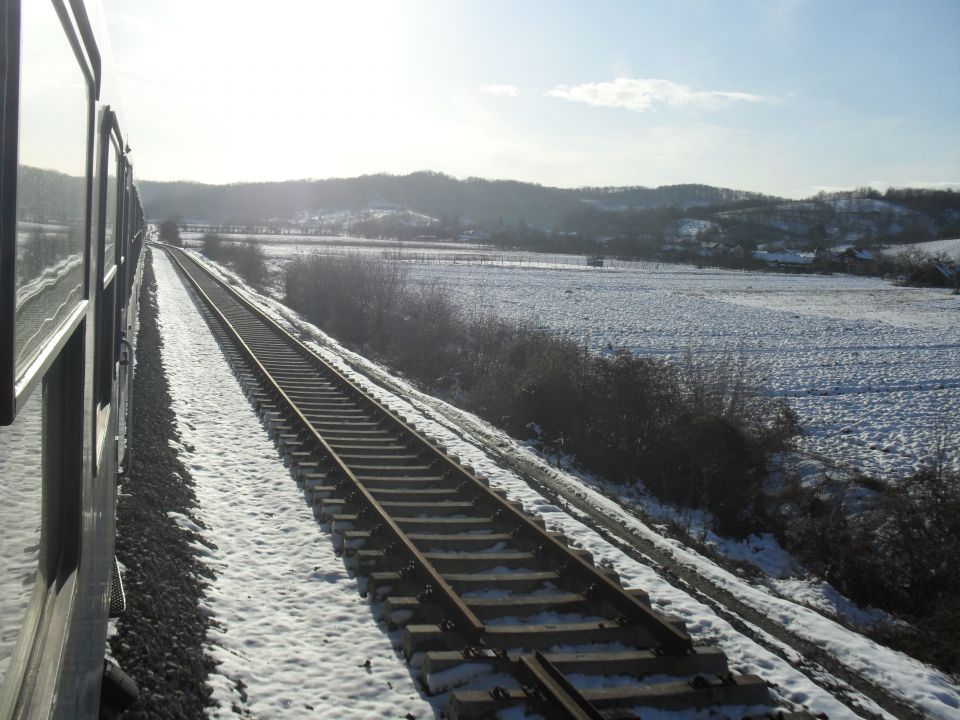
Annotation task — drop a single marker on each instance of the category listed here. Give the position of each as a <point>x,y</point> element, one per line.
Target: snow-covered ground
<point>873,370</point>
<point>476,444</point>
<point>292,635</point>
<point>951,248</point>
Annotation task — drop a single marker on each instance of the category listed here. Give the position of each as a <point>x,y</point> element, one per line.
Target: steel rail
<point>468,621</point>
<point>558,691</point>
<point>672,639</point>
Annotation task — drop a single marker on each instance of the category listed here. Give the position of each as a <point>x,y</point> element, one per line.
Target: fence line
<point>506,259</point>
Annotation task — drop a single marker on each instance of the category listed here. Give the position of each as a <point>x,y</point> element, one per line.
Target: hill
<point>696,220</point>
<point>474,201</point>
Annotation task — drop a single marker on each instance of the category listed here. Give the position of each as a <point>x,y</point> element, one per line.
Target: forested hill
<point>481,202</point>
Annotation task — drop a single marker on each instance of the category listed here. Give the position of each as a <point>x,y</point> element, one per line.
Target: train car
<point>71,236</point>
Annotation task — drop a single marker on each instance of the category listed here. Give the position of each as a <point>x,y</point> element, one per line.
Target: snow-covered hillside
<point>841,219</point>
<point>950,248</point>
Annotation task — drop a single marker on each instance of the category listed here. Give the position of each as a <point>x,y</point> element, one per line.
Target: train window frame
<point>58,377</point>
<point>109,159</point>
<point>16,387</point>
<point>36,656</point>
<point>10,117</point>
<point>108,138</point>
<point>125,210</point>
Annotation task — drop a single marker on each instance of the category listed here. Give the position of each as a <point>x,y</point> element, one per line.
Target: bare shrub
<point>893,547</point>
<point>632,401</point>
<point>529,377</point>
<point>247,258</point>
<point>212,245</point>
<point>715,385</point>
<point>353,296</point>
<point>425,341</point>
<point>170,232</point>
<point>914,532</point>
<point>721,438</point>
<point>250,262</point>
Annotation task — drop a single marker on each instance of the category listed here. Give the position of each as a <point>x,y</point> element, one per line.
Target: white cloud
<point>643,94</point>
<point>505,91</point>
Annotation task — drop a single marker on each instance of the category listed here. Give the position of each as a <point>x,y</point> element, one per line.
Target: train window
<point>51,183</point>
<point>40,462</point>
<point>110,168</point>
<point>20,518</point>
<point>128,214</point>
<point>110,238</point>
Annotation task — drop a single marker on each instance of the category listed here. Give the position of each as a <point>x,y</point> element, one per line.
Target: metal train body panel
<point>71,234</point>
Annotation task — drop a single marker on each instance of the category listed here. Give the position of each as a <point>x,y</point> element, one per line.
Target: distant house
<point>950,273</point>
<point>772,246</point>
<point>784,259</point>
<point>858,254</point>
<point>595,261</point>
<point>858,262</point>
<point>710,249</point>
<point>474,236</point>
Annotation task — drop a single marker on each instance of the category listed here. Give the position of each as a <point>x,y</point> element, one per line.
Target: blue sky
<point>782,97</point>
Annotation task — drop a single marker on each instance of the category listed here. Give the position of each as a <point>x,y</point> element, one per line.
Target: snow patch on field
<point>872,370</point>
<point>951,248</point>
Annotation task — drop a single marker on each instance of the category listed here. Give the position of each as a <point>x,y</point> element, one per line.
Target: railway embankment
<point>159,640</point>
<point>288,632</point>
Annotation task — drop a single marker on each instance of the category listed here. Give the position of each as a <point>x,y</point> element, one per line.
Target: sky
<point>779,96</point>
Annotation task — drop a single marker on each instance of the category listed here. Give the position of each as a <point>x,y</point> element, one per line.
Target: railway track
<point>489,601</point>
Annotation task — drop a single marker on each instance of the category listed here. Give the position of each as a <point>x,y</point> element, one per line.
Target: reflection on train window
<point>51,186</point>
<point>20,516</point>
<point>109,252</point>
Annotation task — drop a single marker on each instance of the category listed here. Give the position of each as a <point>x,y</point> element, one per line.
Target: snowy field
<point>872,370</point>
<point>950,248</point>
<point>280,593</point>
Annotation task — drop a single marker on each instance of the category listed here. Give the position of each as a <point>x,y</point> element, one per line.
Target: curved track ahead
<point>478,586</point>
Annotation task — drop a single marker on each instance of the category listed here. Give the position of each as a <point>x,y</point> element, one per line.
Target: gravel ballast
<point>159,640</point>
